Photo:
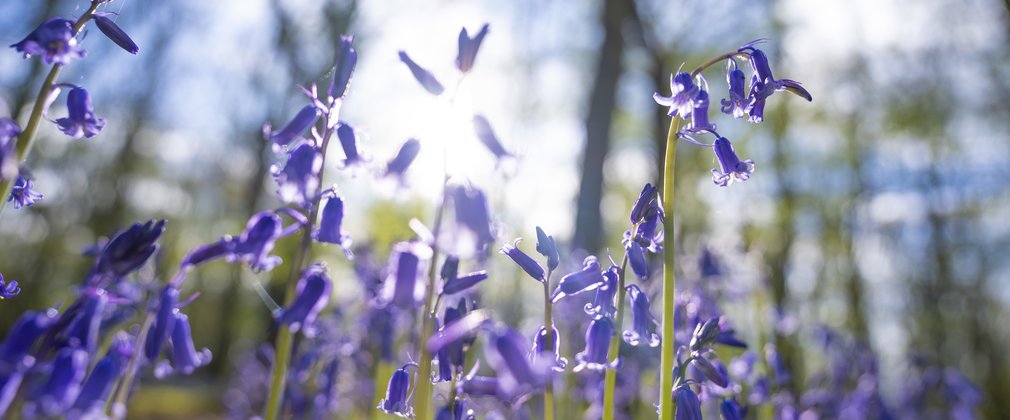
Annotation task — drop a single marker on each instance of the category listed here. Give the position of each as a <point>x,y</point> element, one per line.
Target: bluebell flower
<point>603,303</point>
<point>349,143</point>
<point>347,58</point>
<point>699,115</point>
<point>257,240</point>
<point>529,265</point>
<point>683,95</point>
<point>404,157</point>
<point>63,385</point>
<point>81,120</point>
<point>480,386</point>
<point>704,334</point>
<point>731,168</point>
<point>22,336</point>
<point>764,84</point>
<point>507,352</point>
<point>312,294</point>
<point>472,212</point>
<point>486,136</point>
<point>9,131</point>
<point>184,358</point>
<point>731,410</point>
<point>544,354</point>
<point>131,248</point>
<point>330,223</point>
<point>53,40</point>
<point>298,181</point>
<point>103,377</point>
<point>22,194</point>
<point>598,336</point>
<point>423,76</point>
<point>164,321</point>
<point>459,332</point>
<point>688,405</point>
<point>8,289</point>
<point>82,332</point>
<point>468,48</point>
<point>457,411</point>
<point>404,286</point>
<point>209,252</point>
<point>738,101</point>
<point>115,33</point>
<point>636,259</point>
<point>589,278</point>
<point>300,123</point>
<point>450,268</point>
<point>713,370</point>
<point>396,402</point>
<point>646,201</point>
<point>548,248</point>
<point>10,382</point>
<point>643,330</point>
<point>464,282</point>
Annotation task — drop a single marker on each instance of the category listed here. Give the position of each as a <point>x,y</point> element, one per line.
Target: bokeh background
<point>881,210</point>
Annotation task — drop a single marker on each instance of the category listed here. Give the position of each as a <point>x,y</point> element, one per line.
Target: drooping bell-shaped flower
<point>53,40</point>
<point>22,193</point>
<point>347,58</point>
<point>548,248</point>
<point>598,336</point>
<point>603,303</point>
<point>82,332</point>
<point>398,166</point>
<point>737,102</point>
<point>731,410</point>
<point>457,411</point>
<point>81,121</point>
<point>115,33</point>
<point>312,294</point>
<point>683,93</point>
<point>643,330</point>
<point>507,352</point>
<point>699,115</point>
<point>468,48</point>
<point>464,282</point>
<point>589,278</point>
<point>330,223</point>
<point>184,357</point>
<point>63,385</point>
<point>298,181</point>
<point>300,123</point>
<point>164,322</point>
<point>472,213</point>
<point>131,248</point>
<point>209,252</point>
<point>9,131</point>
<point>349,143</point>
<point>480,386</point>
<point>545,349</point>
<point>647,200</point>
<point>103,377</point>
<point>8,289</point>
<point>29,327</point>
<point>529,265</point>
<point>257,240</point>
<point>764,84</point>
<point>731,168</point>
<point>713,370</point>
<point>396,402</point>
<point>688,405</point>
<point>455,352</point>
<point>487,136</point>
<point>405,287</point>
<point>423,76</point>
<point>636,259</point>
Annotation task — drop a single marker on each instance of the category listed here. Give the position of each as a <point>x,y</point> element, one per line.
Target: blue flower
<point>22,193</point>
<point>423,76</point>
<point>738,102</point>
<point>603,303</point>
<point>63,385</point>
<point>471,209</point>
<point>164,321</point>
<point>598,336</point>
<point>730,410</point>
<point>29,327</point>
<point>688,405</point>
<point>347,58</point>
<point>81,121</point>
<point>330,230</point>
<point>8,289</point>
<point>764,84</point>
<point>589,278</point>
<point>404,157</point>
<point>464,282</point>
<point>713,370</point>
<point>544,354</point>
<point>404,286</point>
<point>312,294</point>
<point>257,240</point>
<point>486,136</point>
<point>457,411</point>
<point>683,95</point>
<point>53,40</point>
<point>732,168</point>
<point>82,331</point>
<point>184,356</point>
<point>480,386</point>
<point>636,258</point>
<point>529,265</point>
<point>103,377</point>
<point>548,248</point>
<point>396,402</point>
<point>699,115</point>
<point>300,123</point>
<point>468,48</point>
<point>130,249</point>
<point>349,142</point>
<point>647,200</point>
<point>115,33</point>
<point>506,351</point>
<point>9,131</point>
<point>643,330</point>
<point>298,181</point>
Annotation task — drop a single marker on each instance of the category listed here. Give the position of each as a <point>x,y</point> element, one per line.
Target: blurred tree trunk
<point>589,229</point>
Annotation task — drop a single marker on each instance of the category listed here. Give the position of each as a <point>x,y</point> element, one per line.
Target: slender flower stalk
<point>422,394</point>
<point>27,137</point>
<point>549,344</point>
<point>610,378</point>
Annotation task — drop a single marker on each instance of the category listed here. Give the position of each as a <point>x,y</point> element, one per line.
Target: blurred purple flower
<point>22,194</point>
<point>529,265</point>
<point>468,48</point>
<point>548,355</point>
<point>480,386</point>
<point>8,289</point>
<point>82,332</point>
<point>396,402</point>
<point>9,131</point>
<point>688,405</point>
<point>349,142</point>
<point>683,95</point>
<point>404,286</point>
<point>81,121</point>
<point>29,327</point>
<point>330,224</point>
<point>636,258</point>
<point>300,123</point>
<point>506,351</point>
<point>115,33</point>
<point>486,136</point>
<point>713,370</point>
<point>598,336</point>
<point>643,330</point>
<point>422,75</point>
<point>603,303</point>
<point>347,58</point>
<point>103,377</point>
<point>257,240</point>
<point>404,157</point>
<point>472,212</point>
<point>312,294</point>
<point>548,248</point>
<point>732,168</point>
<point>163,322</point>
<point>53,40</point>
<point>298,181</point>
<point>730,410</point>
<point>184,356</point>
<point>458,411</point>
<point>63,386</point>
<point>130,249</point>
<point>589,278</point>
<point>464,282</point>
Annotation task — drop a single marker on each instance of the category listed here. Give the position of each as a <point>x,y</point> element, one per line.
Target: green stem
<point>117,409</point>
<point>610,378</point>
<point>549,344</point>
<point>285,337</point>
<point>27,137</point>
<point>422,396</point>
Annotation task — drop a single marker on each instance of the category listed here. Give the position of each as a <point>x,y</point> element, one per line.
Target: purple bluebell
<point>404,286</point>
<point>457,411</point>
<point>396,401</point>
<point>330,223</point>
<point>468,48</point>
<point>22,336</point>
<point>731,410</point>
<point>764,84</point>
<point>349,142</point>
<point>682,97</point>
<point>63,385</point>
<point>9,131</point>
<point>423,76</point>
<point>8,289</point>
<point>312,294</point>
<point>699,115</point>
<point>472,212</point>
<point>548,248</point>
<point>648,233</point>
<point>450,268</point>
<point>704,334</point>
<point>53,40</point>
<point>115,33</point>
<point>756,109</point>
<point>257,240</point>
<point>643,330</point>
<point>646,200</point>
<point>298,181</point>
<point>708,263</point>
<point>603,303</point>
<point>209,252</point>
<point>164,321</point>
<point>82,332</point>
<point>347,58</point>
<point>404,157</point>
<point>529,265</point>
<point>507,352</point>
<point>688,405</point>
<point>81,120</point>
<point>544,354</point>
<point>486,136</point>
<point>10,382</point>
<point>445,370</point>
<point>713,370</point>
<point>731,168</point>
<point>738,101</point>
<point>636,258</point>
<point>22,194</point>
<point>480,386</point>
<point>103,377</point>
<point>300,123</point>
<point>131,248</point>
<point>458,332</point>
<point>598,336</point>
<point>184,357</point>
<point>464,282</point>
<point>589,278</point>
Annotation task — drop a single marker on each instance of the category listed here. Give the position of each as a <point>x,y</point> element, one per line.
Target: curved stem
<point>548,344</point>
<point>669,281</point>
<point>610,378</point>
